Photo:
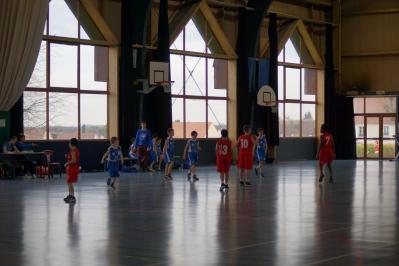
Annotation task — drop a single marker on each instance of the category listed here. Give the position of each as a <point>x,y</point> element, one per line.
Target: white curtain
<point>21,28</point>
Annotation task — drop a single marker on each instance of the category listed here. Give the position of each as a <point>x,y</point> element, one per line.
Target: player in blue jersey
<point>114,158</point>
<point>191,152</point>
<point>143,145</point>
<point>261,151</point>
<point>155,151</point>
<point>168,154</point>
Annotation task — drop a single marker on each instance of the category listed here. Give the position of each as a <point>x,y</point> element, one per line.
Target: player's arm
<point>198,146</point>
<point>105,155</point>
<point>185,151</point>
<point>73,158</point>
<point>165,146</point>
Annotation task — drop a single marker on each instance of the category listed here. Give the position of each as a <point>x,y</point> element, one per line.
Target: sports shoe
<point>70,199</point>
<point>256,171</point>
<point>262,175</point>
<point>109,181</point>
<point>242,183</point>
<point>226,186</point>
<point>321,179</point>
<point>248,184</point>
<point>222,187</point>
<point>331,180</point>
<point>170,177</point>
<point>195,177</point>
<point>188,176</point>
<point>113,184</point>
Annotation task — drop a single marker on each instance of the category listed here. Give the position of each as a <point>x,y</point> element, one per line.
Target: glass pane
<point>196,117</point>
<point>194,37</point>
<point>292,83</point>
<point>63,112</point>
<point>292,52</point>
<point>62,18</point>
<point>176,68</point>
<point>217,117</point>
<point>93,67</point>
<point>35,115</point>
<point>63,65</point>
<point>292,119</point>
<point>308,120</point>
<point>178,43</point>
<point>359,126</point>
<point>360,148</point>
<point>381,105</point>
<point>388,148</point>
<point>389,127</point>
<point>177,117</point>
<point>281,83</point>
<point>358,105</point>
<point>281,56</point>
<point>217,77</point>
<point>88,29</point>
<point>38,78</point>
<point>373,148</point>
<point>281,119</point>
<point>195,76</point>
<point>309,84</point>
<point>373,127</point>
<point>93,116</point>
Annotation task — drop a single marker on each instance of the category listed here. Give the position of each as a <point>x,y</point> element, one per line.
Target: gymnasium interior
<point>96,69</point>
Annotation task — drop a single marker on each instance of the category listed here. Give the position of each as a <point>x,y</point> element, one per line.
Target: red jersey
<point>326,141</point>
<point>76,164</point>
<point>223,148</point>
<point>245,143</point>
<point>73,169</point>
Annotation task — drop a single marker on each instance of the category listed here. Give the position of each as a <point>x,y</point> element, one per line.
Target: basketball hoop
<point>166,84</point>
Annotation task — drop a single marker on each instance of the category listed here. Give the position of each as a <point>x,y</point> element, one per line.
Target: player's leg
<point>330,172</point>
<point>321,166</point>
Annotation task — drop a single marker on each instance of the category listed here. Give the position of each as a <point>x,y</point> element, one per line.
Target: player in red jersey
<point>72,169</point>
<point>326,152</point>
<point>246,143</point>
<point>223,159</point>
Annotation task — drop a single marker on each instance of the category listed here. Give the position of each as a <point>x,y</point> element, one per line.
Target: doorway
<point>375,127</point>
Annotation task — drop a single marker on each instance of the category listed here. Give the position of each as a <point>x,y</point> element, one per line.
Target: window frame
<point>51,39</point>
<point>299,101</point>
<point>205,97</point>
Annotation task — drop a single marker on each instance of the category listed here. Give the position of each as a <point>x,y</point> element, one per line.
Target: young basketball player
<point>143,145</point>
<point>246,143</point>
<point>261,151</point>
<point>168,153</point>
<point>72,169</point>
<point>223,159</point>
<point>154,157</point>
<point>326,152</point>
<point>114,156</point>
<point>191,150</point>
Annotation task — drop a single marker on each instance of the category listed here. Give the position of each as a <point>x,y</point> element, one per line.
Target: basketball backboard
<point>159,72</point>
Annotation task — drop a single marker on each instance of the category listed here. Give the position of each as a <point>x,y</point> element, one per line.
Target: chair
<point>51,164</point>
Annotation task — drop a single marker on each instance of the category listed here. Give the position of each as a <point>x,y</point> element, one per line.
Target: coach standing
<point>143,145</point>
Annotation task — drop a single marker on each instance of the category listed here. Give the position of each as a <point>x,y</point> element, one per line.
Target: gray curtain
<point>21,28</point>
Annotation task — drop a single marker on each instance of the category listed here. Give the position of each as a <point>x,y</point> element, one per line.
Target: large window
<point>199,91</point>
<point>297,90</point>
<point>67,95</point>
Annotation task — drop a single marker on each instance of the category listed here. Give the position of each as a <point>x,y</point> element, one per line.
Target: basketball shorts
<point>260,155</point>
<point>245,160</point>
<point>72,174</point>
<point>193,158</point>
<point>113,169</point>
<point>223,164</point>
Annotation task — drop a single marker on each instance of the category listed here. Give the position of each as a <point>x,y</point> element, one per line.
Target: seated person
<point>11,147</point>
<point>133,153</point>
<point>22,145</point>
<point>10,164</point>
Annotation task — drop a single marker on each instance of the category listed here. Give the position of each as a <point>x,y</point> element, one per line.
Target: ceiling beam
<point>99,21</point>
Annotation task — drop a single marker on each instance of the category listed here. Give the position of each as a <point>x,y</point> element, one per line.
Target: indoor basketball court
<point>209,132</point>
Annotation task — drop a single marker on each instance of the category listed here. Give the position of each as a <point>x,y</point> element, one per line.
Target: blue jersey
<point>168,156</point>
<point>193,146</point>
<point>143,138</point>
<point>114,153</point>
<point>262,143</point>
<point>159,148</point>
<point>8,146</point>
<point>23,146</point>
